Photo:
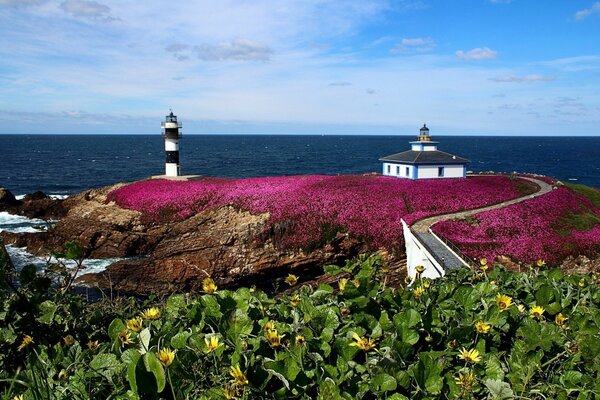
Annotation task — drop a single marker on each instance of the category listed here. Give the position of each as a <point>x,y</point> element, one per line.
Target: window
<point>389,169</point>
<point>440,171</point>
<point>397,170</point>
<point>407,171</point>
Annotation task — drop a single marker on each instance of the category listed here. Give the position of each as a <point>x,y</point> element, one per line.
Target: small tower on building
<point>170,131</point>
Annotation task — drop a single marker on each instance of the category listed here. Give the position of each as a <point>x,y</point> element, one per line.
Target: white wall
<point>431,171</point>
<point>393,170</point>
<point>417,255</point>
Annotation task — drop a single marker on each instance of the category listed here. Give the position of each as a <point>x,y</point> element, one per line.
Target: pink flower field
<point>316,206</point>
<point>549,227</point>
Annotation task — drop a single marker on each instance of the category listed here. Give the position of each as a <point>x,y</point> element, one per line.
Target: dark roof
<point>425,157</point>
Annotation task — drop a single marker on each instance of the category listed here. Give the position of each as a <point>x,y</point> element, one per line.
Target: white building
<point>424,161</point>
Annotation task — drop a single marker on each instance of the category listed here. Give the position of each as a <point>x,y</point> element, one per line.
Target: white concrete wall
<point>417,255</point>
<point>171,169</point>
<point>431,171</point>
<point>394,170</point>
<point>171,144</point>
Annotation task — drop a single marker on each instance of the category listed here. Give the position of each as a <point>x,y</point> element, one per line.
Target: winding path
<point>446,257</point>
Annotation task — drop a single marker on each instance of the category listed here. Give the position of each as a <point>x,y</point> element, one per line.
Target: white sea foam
<point>19,223</point>
<point>52,196</point>
<point>21,257</point>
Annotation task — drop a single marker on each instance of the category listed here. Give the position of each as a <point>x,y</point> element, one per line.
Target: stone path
<point>439,250</point>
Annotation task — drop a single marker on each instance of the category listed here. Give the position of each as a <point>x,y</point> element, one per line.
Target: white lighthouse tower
<point>171,134</point>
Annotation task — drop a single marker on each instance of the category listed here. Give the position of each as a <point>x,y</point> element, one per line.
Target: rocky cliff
<point>227,244</point>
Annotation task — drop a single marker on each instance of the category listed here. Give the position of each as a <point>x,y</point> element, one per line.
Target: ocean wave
<point>21,224</point>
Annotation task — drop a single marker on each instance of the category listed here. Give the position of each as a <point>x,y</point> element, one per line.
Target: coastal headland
<point>173,234</point>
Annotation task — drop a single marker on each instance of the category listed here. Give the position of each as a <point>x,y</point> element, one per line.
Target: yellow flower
<point>342,283</point>
<point>418,292</point>
<point>521,308</point>
<point>426,283</point>
<point>269,326</point>
<point>572,347</point>
<point>356,283</point>
<point>135,324</point>
<point>291,279</point>
<point>582,283</point>
<point>300,340</point>
<point>482,327</point>
<point>465,381</point>
<point>239,378</point>
<point>484,267</point>
<point>19,397</point>
<point>363,343</point>
<point>452,344</point>
<point>166,357</point>
<point>69,340</point>
<point>208,285</point>
<point>483,261</point>
<point>212,343</point>
<point>540,263</point>
<point>27,340</point>
<point>92,345</point>
<point>295,301</point>
<point>420,269</point>
<point>274,338</point>
<point>151,313</point>
<point>63,375</point>
<point>503,302</point>
<point>471,356</point>
<point>125,338</point>
<point>230,392</point>
<point>537,312</point>
<point>561,321</point>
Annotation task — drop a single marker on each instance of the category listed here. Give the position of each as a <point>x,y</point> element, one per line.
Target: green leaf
<point>47,309</point>
<point>131,357</point>
<point>397,396</point>
<point>115,327</point>
<point>175,303</point>
<point>154,366</point>
<point>73,251</point>
<point>498,389</point>
<point>384,382</point>
<point>27,274</point>
<point>544,295</point>
<point>277,369</point>
<point>238,325</point>
<point>178,341</point>
<point>105,364</point>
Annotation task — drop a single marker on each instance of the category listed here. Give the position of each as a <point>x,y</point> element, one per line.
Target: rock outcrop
<point>226,244</point>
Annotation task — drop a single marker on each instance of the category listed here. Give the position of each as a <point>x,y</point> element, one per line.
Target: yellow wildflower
<point>19,397</point>
<point>230,392</point>
<point>420,269</point>
<point>27,340</point>
<point>274,338</point>
<point>483,261</point>
<point>363,343</point>
<point>540,263</point>
<point>239,378</point>
<point>561,321</point>
<point>582,283</point>
<point>212,343</point>
<point>300,340</point>
<point>342,283</point>
<point>426,283</point>
<point>465,381</point>
<point>166,356</point>
<point>291,279</point>
<point>418,292</point>
<point>125,337</point>
<point>356,283</point>
<point>537,312</point>
<point>92,345</point>
<point>572,347</point>
<point>482,327</point>
<point>503,302</point>
<point>452,344</point>
<point>69,340</point>
<point>63,375</point>
<point>471,356</point>
<point>208,285</point>
<point>152,313</point>
<point>521,308</point>
<point>295,301</point>
<point>135,324</point>
<point>270,326</point>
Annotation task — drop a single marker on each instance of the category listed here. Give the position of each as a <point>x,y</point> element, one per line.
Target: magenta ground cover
<point>315,206</point>
<point>549,227</point>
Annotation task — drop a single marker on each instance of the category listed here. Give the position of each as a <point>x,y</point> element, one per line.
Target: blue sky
<point>520,67</point>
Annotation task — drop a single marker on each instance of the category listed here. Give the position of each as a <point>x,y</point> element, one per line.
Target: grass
<point>589,192</point>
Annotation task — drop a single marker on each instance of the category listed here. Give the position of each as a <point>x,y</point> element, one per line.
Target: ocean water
<point>67,164</point>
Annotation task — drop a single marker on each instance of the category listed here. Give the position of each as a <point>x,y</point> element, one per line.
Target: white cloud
<point>21,3</point>
<point>526,78</point>
<point>341,83</point>
<point>478,53</point>
<point>86,9</point>
<point>583,14</point>
<point>237,49</point>
<point>413,45</point>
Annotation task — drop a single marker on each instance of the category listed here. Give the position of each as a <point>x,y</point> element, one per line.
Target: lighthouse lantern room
<point>170,131</point>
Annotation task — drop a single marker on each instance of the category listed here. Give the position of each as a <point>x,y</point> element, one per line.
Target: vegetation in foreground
<point>473,334</point>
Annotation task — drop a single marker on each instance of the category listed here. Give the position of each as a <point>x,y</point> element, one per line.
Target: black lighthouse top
<point>424,134</point>
<point>171,127</point>
<point>171,117</point>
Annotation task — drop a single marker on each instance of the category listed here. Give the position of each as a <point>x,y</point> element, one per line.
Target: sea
<point>68,164</point>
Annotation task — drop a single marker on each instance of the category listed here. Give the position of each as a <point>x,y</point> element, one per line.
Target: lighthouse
<point>170,131</point>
